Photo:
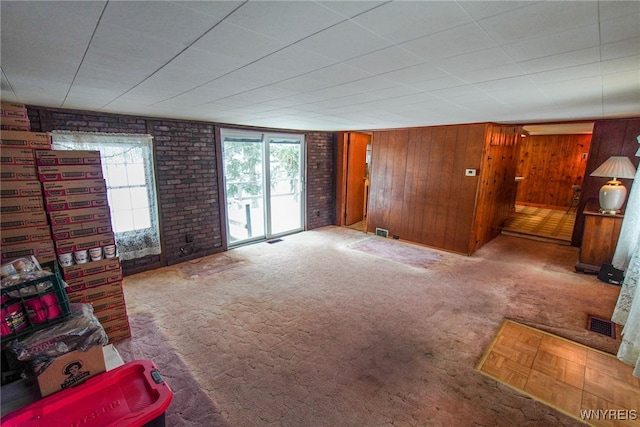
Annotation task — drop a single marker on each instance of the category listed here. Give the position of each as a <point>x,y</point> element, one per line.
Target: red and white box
<point>19,173</point>
<point>84,243</point>
<point>71,231</point>
<point>67,157</point>
<point>90,295</point>
<point>76,216</point>
<point>86,282</point>
<point>20,139</point>
<point>25,235</point>
<point>20,189</point>
<point>69,173</point>
<point>15,123</point>
<point>82,201</point>
<point>22,220</point>
<point>74,188</point>
<point>43,251</point>
<point>90,268</point>
<point>13,110</point>
<point>17,156</point>
<point>14,205</point>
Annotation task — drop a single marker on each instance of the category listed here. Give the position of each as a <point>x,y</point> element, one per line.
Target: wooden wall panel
<point>550,164</point>
<point>613,137</point>
<point>419,190</point>
<point>497,183</point>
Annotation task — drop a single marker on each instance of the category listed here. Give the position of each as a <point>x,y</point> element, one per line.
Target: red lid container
<point>130,395</point>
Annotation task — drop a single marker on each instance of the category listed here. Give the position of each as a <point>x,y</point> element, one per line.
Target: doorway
<point>353,164</point>
<point>263,183</point>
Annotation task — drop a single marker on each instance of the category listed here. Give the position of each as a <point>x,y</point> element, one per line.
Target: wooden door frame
<point>342,162</point>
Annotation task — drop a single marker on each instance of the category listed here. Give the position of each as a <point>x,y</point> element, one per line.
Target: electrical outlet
<point>470,172</point>
<point>189,238</point>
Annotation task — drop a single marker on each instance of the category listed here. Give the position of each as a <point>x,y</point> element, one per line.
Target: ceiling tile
<point>621,49</point>
<point>547,45</point>
<point>344,41</point>
<point>298,20</point>
<point>563,60</point>
<point>485,9</point>
<point>385,60</point>
<point>162,20</point>
<point>623,28</point>
<point>350,9</point>
<point>453,42</point>
<point>539,20</point>
<point>402,21</point>
<point>235,42</point>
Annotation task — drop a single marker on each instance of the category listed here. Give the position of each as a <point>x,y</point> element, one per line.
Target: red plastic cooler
<point>133,394</point>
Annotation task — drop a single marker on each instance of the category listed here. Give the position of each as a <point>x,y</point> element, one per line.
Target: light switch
<point>470,172</point>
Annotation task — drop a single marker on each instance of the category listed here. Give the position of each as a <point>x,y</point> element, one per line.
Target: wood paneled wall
<point>550,164</point>
<point>497,188</point>
<point>614,137</point>
<point>419,190</point>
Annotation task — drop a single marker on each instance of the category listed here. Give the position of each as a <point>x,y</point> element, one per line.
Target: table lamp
<point>613,193</point>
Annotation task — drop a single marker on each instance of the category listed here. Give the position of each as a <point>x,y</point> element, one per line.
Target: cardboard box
<point>20,189</point>
<point>18,139</point>
<point>43,251</point>
<point>67,157</point>
<point>19,173</point>
<point>76,216</point>
<point>113,318</point>
<point>17,156</point>
<point>73,188</point>
<point>81,201</point>
<point>10,109</point>
<point>116,335</point>
<point>103,304</point>
<point>90,295</point>
<point>70,370</point>
<point>15,123</point>
<point>13,205</point>
<point>86,242</point>
<point>71,231</point>
<point>92,281</point>
<point>69,173</point>
<point>25,235</point>
<point>89,268</point>
<point>29,219</point>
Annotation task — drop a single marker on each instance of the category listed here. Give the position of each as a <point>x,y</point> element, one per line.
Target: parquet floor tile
<point>584,383</point>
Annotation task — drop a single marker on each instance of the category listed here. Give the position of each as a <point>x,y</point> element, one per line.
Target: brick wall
<point>321,184</point>
<point>187,178</point>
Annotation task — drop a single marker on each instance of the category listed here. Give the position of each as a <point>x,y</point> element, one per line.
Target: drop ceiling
<point>326,65</point>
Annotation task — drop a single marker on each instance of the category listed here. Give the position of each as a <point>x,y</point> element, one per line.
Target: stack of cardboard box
<point>23,225</point>
<point>75,197</point>
<point>13,117</point>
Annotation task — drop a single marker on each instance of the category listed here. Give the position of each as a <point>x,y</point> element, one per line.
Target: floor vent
<point>601,326</point>
<point>382,232</point>
<point>274,241</point>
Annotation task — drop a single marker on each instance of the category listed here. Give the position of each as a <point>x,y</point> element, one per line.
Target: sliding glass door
<point>264,188</point>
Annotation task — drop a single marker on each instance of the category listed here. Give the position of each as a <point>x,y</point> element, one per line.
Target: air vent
<point>382,232</point>
<point>601,326</point>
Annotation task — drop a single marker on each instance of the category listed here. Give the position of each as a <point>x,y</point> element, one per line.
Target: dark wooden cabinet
<point>599,239</point>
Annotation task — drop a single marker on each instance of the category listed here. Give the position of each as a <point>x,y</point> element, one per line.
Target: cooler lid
<point>130,395</point>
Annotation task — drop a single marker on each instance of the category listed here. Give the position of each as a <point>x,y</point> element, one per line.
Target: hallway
<point>541,224</point>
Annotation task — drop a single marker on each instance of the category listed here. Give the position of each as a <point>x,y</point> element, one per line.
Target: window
<point>127,166</point>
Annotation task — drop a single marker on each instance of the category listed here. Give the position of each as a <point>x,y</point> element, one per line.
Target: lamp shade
<point>616,167</point>
<point>613,193</point>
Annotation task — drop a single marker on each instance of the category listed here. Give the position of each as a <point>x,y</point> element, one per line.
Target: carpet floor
<point>311,332</point>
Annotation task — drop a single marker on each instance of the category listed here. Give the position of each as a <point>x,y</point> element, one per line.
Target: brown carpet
<point>309,332</point>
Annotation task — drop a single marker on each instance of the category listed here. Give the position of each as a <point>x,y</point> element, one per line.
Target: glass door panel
<point>244,189</point>
<point>264,188</point>
<point>285,188</point>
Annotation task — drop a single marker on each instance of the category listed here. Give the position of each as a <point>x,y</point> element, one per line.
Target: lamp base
<point>612,196</point>
<point>610,211</point>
